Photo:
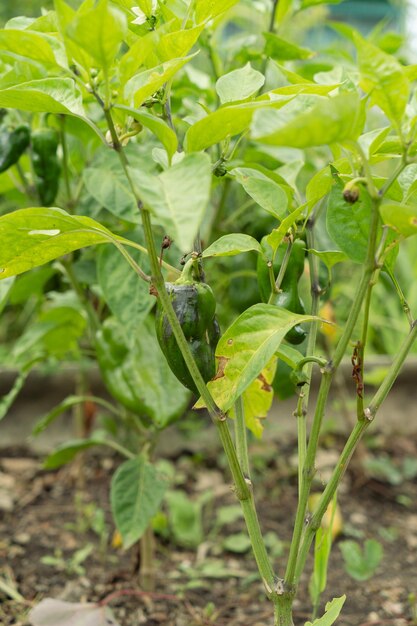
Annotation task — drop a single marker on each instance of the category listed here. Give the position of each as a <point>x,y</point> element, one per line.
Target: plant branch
<point>350,447</point>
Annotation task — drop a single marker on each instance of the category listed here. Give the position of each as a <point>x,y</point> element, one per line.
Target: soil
<point>46,514</point>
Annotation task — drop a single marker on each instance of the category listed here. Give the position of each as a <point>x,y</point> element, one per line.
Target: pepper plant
<point>199,131</point>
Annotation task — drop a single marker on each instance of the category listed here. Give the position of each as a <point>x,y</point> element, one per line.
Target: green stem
<point>283,267</point>
<point>147,560</point>
<point>350,447</point>
<point>328,372</point>
<point>241,437</point>
<point>283,610</point>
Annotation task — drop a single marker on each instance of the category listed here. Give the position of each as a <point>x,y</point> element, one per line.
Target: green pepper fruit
<point>288,297</point>
<point>194,305</point>
<point>45,143</point>
<point>13,143</point>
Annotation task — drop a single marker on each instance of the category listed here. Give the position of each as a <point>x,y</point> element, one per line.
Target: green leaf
<point>281,50</point>
<point>239,543</point>
<point>400,217</point>
<point>177,44</point>
<point>258,397</point>
<point>239,84</point>
<point>329,120</point>
<point>361,564</point>
<point>156,125</point>
<point>55,333</point>
<point>45,95</point>
<point>247,347</point>
<point>32,237</point>
<point>277,235</point>
<point>207,9</point>
<point>68,451</point>
<point>70,401</point>
<point>227,121</point>
<point>348,224</point>
<point>265,191</point>
<point>186,518</point>
<point>27,44</point>
<point>136,494</point>
<point>382,76</point>
<point>330,257</point>
<point>125,293</point>
<point>178,197</point>
<point>143,85</point>
<point>65,15</point>
<point>230,245</point>
<point>333,609</point>
<point>136,373</point>
<point>99,31</point>
<point>106,181</point>
<point>7,400</point>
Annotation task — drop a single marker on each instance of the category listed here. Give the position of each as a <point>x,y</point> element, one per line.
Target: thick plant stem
<point>283,611</point>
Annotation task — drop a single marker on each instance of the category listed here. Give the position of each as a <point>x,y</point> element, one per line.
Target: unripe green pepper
<point>288,297</point>
<point>45,143</point>
<point>194,305</point>
<point>13,143</point>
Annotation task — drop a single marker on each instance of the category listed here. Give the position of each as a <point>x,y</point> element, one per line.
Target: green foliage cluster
<point>208,133</point>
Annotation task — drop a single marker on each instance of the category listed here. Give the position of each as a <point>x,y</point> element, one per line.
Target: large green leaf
<point>44,95</point>
<point>99,31</point>
<point>247,347</point>
<point>106,181</point>
<point>401,217</point>
<point>265,191</point>
<point>126,295</point>
<point>32,237</point>
<point>136,495</point>
<point>326,121</point>
<point>348,224</point>
<point>232,244</point>
<point>27,44</point>
<point>382,76</point>
<point>178,196</point>
<point>239,84</point>
<point>227,121</point>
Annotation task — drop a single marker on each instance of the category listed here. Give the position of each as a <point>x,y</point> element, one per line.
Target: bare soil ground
<point>43,514</point>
